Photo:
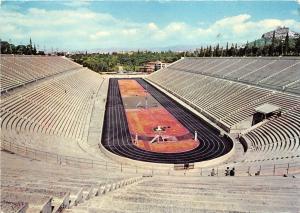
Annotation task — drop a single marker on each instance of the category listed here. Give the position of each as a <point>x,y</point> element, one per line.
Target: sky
<point>131,25</point>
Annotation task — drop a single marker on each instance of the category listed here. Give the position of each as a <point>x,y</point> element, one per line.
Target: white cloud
<point>240,28</point>
<point>175,27</point>
<point>225,22</point>
<point>81,28</point>
<point>129,32</point>
<point>160,35</point>
<point>100,34</point>
<point>152,26</point>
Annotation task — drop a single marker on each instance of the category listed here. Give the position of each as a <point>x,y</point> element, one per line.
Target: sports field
<point>119,136</point>
<point>151,126</point>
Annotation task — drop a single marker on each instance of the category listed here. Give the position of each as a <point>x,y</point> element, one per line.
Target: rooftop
<point>267,108</point>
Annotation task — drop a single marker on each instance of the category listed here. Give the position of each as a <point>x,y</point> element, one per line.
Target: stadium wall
<point>161,166</point>
<point>244,143</point>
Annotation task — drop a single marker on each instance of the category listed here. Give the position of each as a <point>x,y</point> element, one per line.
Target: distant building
<point>153,66</point>
<point>280,33</point>
<point>160,65</point>
<point>148,67</point>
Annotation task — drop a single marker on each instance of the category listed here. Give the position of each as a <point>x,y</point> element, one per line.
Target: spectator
<point>232,172</point>
<point>186,166</point>
<point>227,171</point>
<point>213,173</point>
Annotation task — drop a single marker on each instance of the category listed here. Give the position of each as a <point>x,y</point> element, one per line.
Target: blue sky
<point>107,25</point>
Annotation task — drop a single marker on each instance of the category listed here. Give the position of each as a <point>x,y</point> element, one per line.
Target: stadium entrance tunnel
<point>119,140</point>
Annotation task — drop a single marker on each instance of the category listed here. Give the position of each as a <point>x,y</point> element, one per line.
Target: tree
<point>297,46</point>
<point>279,49</point>
<point>235,50</point>
<point>259,51</point>
<point>226,51</point>
<point>230,52</point>
<point>209,52</point>
<point>286,44</point>
<point>34,50</point>
<point>5,47</point>
<point>240,51</point>
<point>221,52</point>
<point>246,49</point>
<point>29,48</point>
<point>272,46</point>
<point>201,54</point>
<point>217,51</point>
<point>254,49</point>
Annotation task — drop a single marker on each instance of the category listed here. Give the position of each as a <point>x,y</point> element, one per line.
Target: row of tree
<point>275,47</point>
<point>29,49</point>
<point>131,61</point>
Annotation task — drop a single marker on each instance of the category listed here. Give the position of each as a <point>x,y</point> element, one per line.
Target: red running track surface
<point>142,121</point>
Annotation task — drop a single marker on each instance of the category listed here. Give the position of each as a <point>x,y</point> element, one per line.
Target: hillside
<point>279,34</point>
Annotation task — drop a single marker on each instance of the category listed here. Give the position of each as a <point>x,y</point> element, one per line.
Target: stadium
<point>63,121</point>
<point>203,134</point>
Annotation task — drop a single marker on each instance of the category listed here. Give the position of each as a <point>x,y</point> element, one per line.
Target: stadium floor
<point>145,116</point>
<point>118,140</point>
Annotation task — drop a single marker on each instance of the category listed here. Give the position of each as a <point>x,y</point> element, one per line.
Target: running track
<point>116,137</point>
